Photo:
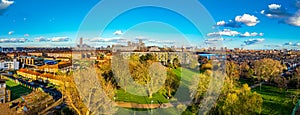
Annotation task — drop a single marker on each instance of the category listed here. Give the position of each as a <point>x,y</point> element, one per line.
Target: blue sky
<point>252,24</point>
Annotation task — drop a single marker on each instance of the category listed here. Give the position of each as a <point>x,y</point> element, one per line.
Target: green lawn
<point>16,90</point>
<point>186,77</point>
<point>123,96</point>
<point>275,101</point>
<point>165,111</point>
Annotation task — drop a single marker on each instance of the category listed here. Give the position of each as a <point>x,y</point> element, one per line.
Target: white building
<point>9,65</point>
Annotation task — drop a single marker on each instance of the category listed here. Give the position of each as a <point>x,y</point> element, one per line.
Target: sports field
<point>16,90</point>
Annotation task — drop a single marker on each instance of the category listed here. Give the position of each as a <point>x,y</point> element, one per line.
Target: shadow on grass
<point>276,108</point>
<point>18,91</point>
<point>275,101</point>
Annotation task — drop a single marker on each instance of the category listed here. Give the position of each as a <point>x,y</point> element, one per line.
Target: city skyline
<point>245,24</point>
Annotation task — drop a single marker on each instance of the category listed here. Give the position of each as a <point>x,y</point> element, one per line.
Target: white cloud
<point>5,3</point>
<point>294,20</point>
<point>297,44</point>
<point>13,40</point>
<point>53,39</point>
<point>26,35</point>
<point>254,41</point>
<point>221,23</point>
<point>289,43</point>
<point>10,32</point>
<point>249,20</point>
<point>248,34</point>
<point>115,39</point>
<point>141,38</point>
<point>59,39</point>
<point>273,46</point>
<point>118,32</point>
<point>164,42</point>
<point>225,32</point>
<point>41,39</point>
<point>262,12</point>
<point>274,6</point>
<point>214,40</point>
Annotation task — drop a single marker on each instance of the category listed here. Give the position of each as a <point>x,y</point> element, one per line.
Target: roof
<point>2,81</point>
<point>29,71</point>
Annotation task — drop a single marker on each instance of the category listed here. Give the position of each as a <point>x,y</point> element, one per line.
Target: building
<point>4,93</point>
<point>154,49</point>
<point>45,77</point>
<point>131,46</point>
<point>9,65</point>
<point>30,60</point>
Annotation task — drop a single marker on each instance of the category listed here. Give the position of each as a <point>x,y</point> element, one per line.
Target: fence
<point>296,108</point>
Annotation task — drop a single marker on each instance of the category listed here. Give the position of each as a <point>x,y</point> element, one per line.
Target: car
<point>31,83</point>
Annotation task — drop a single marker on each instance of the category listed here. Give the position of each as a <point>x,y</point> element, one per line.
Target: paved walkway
<point>142,106</point>
<point>149,106</point>
<point>256,85</point>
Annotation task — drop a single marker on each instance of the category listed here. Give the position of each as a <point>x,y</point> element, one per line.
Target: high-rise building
<point>81,42</point>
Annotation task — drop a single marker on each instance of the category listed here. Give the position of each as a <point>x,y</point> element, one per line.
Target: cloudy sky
<point>252,24</point>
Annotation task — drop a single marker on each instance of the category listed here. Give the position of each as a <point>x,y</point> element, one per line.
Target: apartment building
<point>9,65</point>
<point>4,93</point>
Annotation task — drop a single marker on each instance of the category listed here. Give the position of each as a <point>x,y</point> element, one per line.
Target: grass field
<point>276,101</point>
<point>127,97</point>
<point>186,77</point>
<point>165,111</point>
<point>16,90</point>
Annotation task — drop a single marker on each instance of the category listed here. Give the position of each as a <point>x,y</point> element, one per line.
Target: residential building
<point>9,65</point>
<point>4,93</point>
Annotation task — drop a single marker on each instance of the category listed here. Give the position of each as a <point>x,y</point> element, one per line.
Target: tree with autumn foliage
<point>267,69</point>
<point>240,101</point>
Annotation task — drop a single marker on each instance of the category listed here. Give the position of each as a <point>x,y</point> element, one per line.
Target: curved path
<point>149,106</point>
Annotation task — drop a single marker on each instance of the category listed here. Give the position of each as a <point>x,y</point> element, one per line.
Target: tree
<point>295,80</point>
<point>207,66</point>
<point>158,76</point>
<point>245,70</point>
<point>232,73</point>
<point>266,69</point>
<point>71,95</point>
<point>193,63</point>
<point>176,63</point>
<point>120,71</point>
<point>96,94</point>
<point>281,82</point>
<point>240,101</point>
<point>101,56</point>
<point>147,57</point>
<point>172,82</point>
<point>199,87</point>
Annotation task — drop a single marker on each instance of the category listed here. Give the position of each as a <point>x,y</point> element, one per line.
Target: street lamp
<point>151,106</point>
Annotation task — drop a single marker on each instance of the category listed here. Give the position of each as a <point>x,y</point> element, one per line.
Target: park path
<point>141,106</point>
<point>257,85</point>
<point>148,106</point>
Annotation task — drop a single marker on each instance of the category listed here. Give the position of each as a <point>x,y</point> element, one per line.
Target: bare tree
<point>96,97</point>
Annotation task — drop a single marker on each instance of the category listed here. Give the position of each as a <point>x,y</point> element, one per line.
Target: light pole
<point>151,107</point>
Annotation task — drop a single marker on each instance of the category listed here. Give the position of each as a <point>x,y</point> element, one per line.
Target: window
<point>2,92</point>
<point>5,65</point>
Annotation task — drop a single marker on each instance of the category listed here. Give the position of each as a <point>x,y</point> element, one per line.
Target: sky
<point>249,24</point>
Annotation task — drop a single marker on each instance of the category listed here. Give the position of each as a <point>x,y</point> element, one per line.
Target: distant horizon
<point>249,24</point>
